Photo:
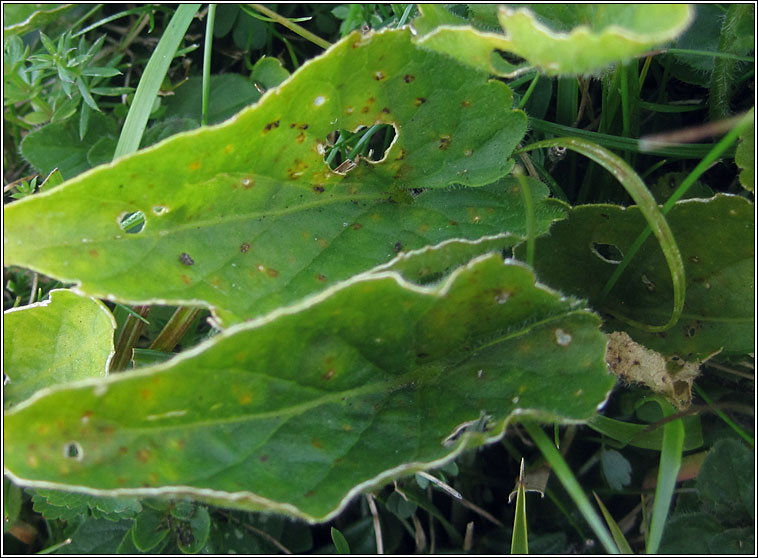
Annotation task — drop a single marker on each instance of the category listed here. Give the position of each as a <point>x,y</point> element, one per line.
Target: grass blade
<point>649,208</point>
<point>207,63</point>
<point>671,461</point>
<point>519,541</point>
<point>571,485</point>
<point>618,536</point>
<point>155,71</point>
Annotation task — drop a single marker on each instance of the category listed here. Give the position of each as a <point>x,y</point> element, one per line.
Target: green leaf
<point>255,206</point>
<point>303,409</point>
<point>340,543</point>
<point>193,535</point>
<point>616,469</point>
<point>715,238</point>
<point>686,533</point>
<point>560,40</point>
<point>21,18</point>
<point>150,528</point>
<point>58,145</point>
<point>269,72</point>
<point>64,339</point>
<point>745,158</point>
<point>12,500</point>
<point>57,504</point>
<point>726,484</point>
<point>635,434</point>
<point>97,536</point>
<point>229,93</point>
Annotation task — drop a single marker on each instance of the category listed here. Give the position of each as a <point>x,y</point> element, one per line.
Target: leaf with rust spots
<point>374,379</point>
<point>257,190</point>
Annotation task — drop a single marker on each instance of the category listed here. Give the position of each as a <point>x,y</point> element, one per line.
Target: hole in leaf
<point>607,252</point>
<point>132,223</point>
<point>344,149</point>
<point>73,450</point>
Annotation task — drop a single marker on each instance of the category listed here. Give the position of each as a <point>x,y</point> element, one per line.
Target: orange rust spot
<point>216,281</point>
<point>245,247</point>
<point>145,393</point>
<point>321,242</point>
<point>375,217</point>
<point>246,399</point>
<point>94,253</point>
<point>300,137</point>
<point>143,455</point>
<point>86,415</point>
<point>272,272</point>
<point>43,429</point>
<point>329,375</point>
<point>305,234</point>
<point>317,443</point>
<point>371,100</point>
<point>465,104</point>
<point>186,279</point>
<point>194,165</point>
<point>121,481</point>
<point>229,148</point>
<point>321,277</point>
<point>123,450</point>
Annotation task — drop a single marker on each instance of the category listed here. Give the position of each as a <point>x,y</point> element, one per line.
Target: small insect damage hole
<point>345,149</point>
<point>607,252</point>
<point>73,450</point>
<point>132,223</point>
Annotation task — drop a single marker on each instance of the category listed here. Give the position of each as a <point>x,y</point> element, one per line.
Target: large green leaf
<point>308,406</point>
<point>715,238</point>
<point>562,39</point>
<point>253,204</point>
<point>66,338</point>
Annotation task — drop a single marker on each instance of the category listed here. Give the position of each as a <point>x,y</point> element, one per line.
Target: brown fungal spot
<point>356,226</point>
<point>401,156</point>
<point>248,183</point>
<point>245,247</point>
<point>318,189</point>
<point>419,101</point>
<point>270,126</point>
<point>444,142</point>
<point>229,148</point>
<point>145,393</point>
<point>186,279</point>
<point>143,455</point>
<point>123,450</point>
<point>371,101</point>
<point>263,458</point>
<point>328,375</point>
<point>311,492</point>
<point>194,165</point>
<point>186,259</point>
<point>246,399</point>
<point>317,443</point>
<point>424,227</point>
<point>386,110</point>
<point>300,137</point>
<point>303,127</point>
<point>465,104</point>
<point>365,110</point>
<point>94,253</point>
<point>271,272</point>
<point>320,277</point>
<point>407,78</point>
<point>454,223</point>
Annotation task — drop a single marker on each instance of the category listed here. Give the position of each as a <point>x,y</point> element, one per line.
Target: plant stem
<point>175,329</point>
<point>207,63</point>
<point>128,339</point>
<point>315,39</point>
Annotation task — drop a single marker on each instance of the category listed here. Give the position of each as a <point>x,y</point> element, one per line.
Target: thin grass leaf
<point>618,535</point>
<point>571,485</point>
<point>151,80</point>
<point>649,208</point>
<point>668,470</point>
<point>207,62</point>
<point>520,539</point>
<point>340,543</point>
<point>718,150</point>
